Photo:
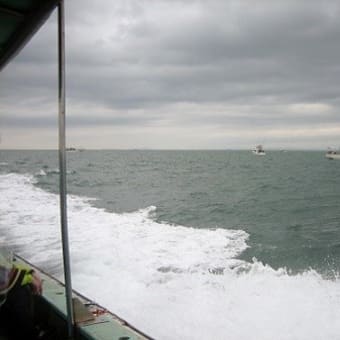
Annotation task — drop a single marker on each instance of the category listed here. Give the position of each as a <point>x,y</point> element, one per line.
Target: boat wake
<point>173,282</point>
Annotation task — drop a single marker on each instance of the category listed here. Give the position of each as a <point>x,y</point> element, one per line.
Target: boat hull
<point>333,156</point>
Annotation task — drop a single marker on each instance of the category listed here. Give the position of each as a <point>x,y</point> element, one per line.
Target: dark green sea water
<point>288,202</point>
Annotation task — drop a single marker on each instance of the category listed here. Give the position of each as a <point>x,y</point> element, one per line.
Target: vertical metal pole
<point>62,168</point>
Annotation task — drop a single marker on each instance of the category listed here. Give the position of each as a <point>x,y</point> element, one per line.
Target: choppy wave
<point>171,281</point>
<point>46,172</point>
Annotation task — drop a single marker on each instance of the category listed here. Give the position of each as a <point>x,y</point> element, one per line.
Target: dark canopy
<point>19,20</point>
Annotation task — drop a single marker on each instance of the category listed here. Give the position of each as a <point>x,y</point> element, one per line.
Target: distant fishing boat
<point>258,150</point>
<point>331,154</point>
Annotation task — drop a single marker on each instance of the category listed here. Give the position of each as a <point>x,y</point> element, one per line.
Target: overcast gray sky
<point>181,74</point>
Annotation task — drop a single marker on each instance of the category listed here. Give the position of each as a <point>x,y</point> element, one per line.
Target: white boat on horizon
<point>258,150</point>
<point>331,154</point>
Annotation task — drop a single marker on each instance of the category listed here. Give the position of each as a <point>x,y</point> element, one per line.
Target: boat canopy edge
<point>19,21</point>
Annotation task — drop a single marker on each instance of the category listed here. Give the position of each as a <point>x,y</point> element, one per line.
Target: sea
<point>187,244</point>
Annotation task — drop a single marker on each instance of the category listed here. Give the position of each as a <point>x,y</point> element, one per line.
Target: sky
<point>180,74</point>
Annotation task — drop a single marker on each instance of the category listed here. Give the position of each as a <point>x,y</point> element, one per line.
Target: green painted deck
<point>92,321</point>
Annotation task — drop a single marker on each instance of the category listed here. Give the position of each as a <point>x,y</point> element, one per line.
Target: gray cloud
<point>226,64</point>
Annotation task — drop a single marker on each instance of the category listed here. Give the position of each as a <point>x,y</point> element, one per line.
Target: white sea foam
<point>55,171</point>
<point>172,282</point>
<point>41,173</point>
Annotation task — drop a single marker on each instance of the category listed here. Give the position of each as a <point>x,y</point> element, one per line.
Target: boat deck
<point>92,321</point>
